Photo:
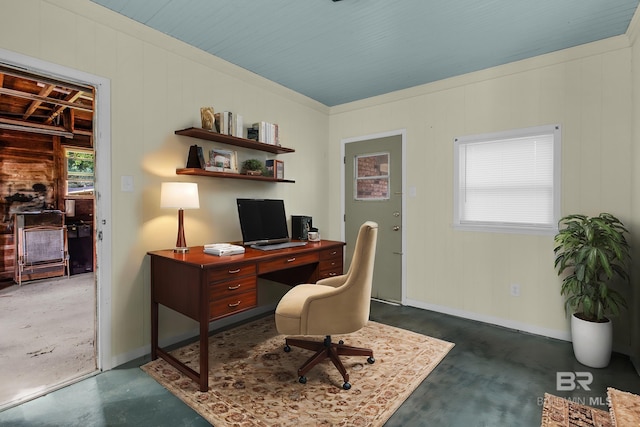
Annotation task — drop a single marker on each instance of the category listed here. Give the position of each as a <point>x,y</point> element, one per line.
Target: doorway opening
<point>50,177</point>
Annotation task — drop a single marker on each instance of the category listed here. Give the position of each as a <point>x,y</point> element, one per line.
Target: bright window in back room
<point>79,168</point>
<point>508,181</point>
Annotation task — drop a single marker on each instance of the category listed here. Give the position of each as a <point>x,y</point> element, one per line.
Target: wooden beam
<point>72,97</point>
<point>45,91</point>
<point>35,97</point>
<point>20,125</point>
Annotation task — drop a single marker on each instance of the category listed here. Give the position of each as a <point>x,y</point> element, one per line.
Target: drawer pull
<point>334,252</point>
<point>233,288</point>
<point>333,274</point>
<point>234,271</point>
<point>291,259</point>
<point>235,304</point>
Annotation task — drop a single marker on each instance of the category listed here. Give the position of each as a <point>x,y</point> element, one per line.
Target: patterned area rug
<point>559,412</point>
<point>624,408</point>
<point>253,382</point>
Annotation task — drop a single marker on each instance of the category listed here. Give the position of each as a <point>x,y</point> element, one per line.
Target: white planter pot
<point>591,342</point>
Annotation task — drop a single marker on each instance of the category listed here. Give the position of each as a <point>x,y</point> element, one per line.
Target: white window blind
<point>508,180</point>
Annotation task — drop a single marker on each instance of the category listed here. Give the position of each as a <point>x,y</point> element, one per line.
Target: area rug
<point>624,408</point>
<point>253,382</point>
<point>559,412</point>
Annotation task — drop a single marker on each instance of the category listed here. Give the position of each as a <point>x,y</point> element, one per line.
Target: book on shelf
<point>238,123</point>
<point>223,124</point>
<point>229,123</point>
<point>223,249</point>
<point>267,133</point>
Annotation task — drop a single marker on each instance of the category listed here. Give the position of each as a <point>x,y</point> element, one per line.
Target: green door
<point>373,192</point>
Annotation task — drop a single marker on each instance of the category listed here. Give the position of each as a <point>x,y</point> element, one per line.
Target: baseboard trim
<point>505,323</point>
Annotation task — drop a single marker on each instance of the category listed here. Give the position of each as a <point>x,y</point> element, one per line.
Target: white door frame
<point>403,134</point>
<point>102,145</point>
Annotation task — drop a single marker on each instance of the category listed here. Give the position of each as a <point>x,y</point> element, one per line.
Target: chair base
<point>327,349</point>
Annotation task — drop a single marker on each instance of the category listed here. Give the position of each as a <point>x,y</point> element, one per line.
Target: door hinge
<point>99,235</point>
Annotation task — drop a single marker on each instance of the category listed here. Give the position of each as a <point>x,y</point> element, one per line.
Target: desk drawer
<point>332,253</point>
<point>331,272</point>
<point>331,263</point>
<point>233,304</point>
<point>288,261</point>
<point>232,287</point>
<point>231,271</point>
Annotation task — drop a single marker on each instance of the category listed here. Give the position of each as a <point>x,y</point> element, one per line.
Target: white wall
<point>158,86</point>
<point>634,32</point>
<point>588,91</point>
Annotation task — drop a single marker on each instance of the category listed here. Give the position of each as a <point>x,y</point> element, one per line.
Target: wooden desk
<point>207,287</point>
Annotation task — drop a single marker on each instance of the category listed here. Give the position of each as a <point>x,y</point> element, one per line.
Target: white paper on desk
<point>221,249</point>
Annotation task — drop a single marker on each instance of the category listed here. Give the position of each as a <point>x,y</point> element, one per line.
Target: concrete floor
<point>492,377</point>
<point>47,335</point>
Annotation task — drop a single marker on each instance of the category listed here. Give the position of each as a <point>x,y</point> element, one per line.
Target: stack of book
<point>222,249</point>
<point>264,132</point>
<point>229,123</point>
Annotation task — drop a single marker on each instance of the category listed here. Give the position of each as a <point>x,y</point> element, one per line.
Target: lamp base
<point>181,250</point>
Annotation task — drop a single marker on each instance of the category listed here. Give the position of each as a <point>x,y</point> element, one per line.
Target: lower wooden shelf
<point>202,172</point>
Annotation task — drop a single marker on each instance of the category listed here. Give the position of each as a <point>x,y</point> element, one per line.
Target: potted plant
<point>590,252</point>
<point>252,167</point>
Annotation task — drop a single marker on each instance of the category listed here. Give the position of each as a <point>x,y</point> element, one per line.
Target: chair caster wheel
<point>346,386</point>
<point>371,360</point>
<point>302,380</point>
<point>340,342</point>
<point>287,349</point>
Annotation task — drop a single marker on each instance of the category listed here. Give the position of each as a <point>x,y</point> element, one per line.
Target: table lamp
<point>180,195</point>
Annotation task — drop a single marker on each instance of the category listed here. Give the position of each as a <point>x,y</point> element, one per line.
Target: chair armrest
<point>334,282</point>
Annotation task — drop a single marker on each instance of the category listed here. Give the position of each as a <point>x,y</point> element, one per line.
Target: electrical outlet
<point>515,290</point>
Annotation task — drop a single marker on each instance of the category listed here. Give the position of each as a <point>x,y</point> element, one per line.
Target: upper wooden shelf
<point>202,172</point>
<point>233,140</point>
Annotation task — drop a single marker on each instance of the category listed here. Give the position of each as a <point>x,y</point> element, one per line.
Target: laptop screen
<point>262,221</point>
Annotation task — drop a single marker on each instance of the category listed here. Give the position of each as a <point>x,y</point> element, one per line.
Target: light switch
<point>412,191</point>
<point>126,183</point>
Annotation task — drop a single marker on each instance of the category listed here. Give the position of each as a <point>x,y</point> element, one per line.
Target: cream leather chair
<point>337,305</point>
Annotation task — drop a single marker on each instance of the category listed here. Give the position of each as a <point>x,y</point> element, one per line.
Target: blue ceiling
<point>337,52</point>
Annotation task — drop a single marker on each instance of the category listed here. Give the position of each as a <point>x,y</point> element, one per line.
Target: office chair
<point>336,305</point>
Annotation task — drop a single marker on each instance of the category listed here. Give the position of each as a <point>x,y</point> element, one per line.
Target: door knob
<point>396,214</point>
<point>396,227</point>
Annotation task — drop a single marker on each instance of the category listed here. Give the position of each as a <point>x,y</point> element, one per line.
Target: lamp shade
<point>180,195</point>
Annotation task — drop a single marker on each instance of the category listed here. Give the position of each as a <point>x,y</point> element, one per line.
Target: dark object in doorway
<point>80,242</point>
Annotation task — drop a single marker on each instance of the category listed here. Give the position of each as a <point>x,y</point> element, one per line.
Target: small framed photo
<point>279,169</point>
<point>222,161</point>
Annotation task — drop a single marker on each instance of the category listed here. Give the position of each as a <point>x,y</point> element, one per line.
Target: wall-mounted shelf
<point>233,140</point>
<point>236,142</point>
<point>202,172</point>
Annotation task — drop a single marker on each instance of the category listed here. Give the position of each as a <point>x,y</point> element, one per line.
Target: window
<point>372,177</point>
<point>508,181</point>
<point>79,165</point>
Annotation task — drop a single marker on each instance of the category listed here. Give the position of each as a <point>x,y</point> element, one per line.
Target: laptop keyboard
<point>278,246</point>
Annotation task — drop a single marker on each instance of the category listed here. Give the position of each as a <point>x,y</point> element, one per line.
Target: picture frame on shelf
<point>275,168</point>
<point>222,161</point>
<point>279,169</point>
